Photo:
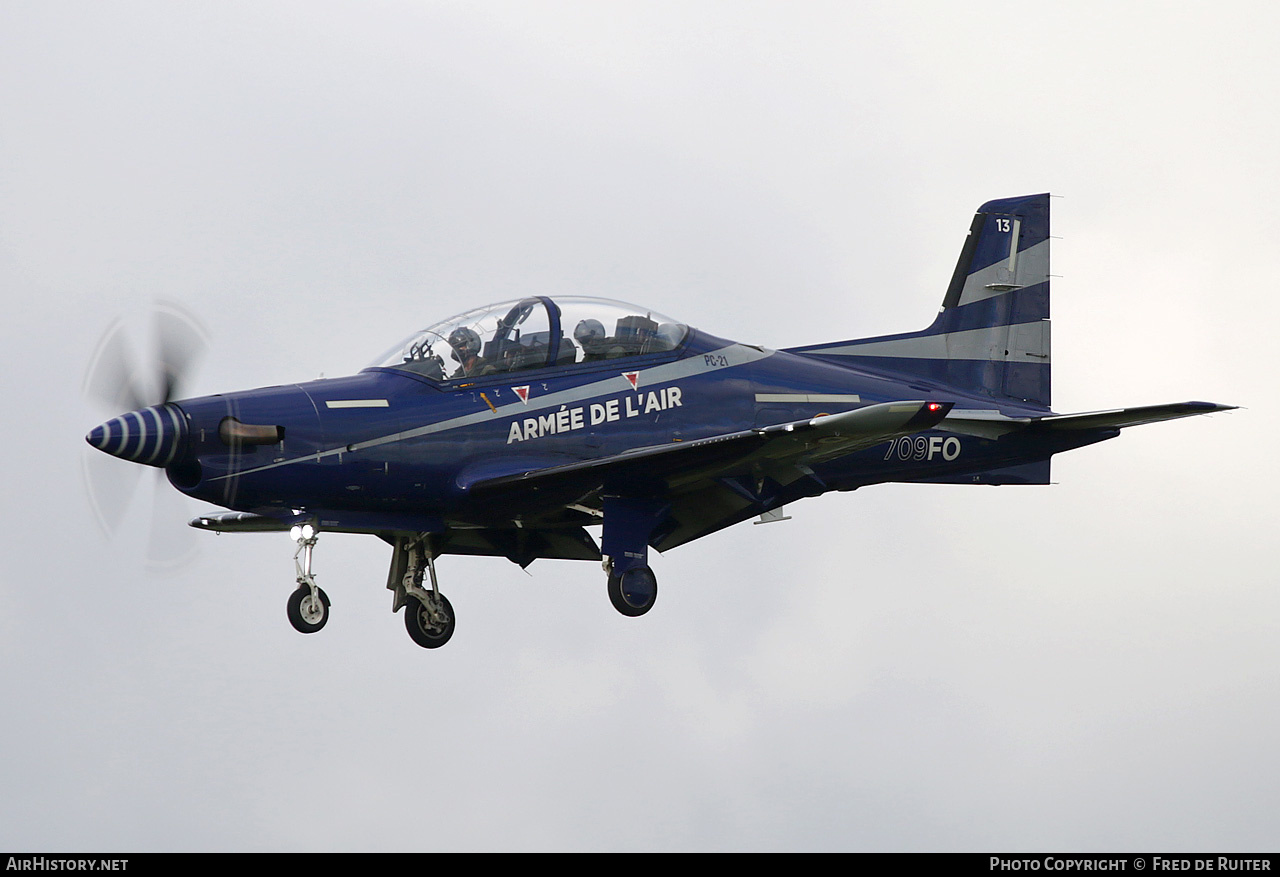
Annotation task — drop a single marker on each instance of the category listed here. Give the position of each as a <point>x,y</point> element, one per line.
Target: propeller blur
<point>173,345</point>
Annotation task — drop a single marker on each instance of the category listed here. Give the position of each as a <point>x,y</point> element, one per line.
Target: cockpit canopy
<point>533,333</point>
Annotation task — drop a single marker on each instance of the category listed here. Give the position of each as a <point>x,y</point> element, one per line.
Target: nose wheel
<point>308,612</point>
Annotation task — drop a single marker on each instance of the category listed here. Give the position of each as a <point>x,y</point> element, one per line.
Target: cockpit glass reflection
<point>534,333</point>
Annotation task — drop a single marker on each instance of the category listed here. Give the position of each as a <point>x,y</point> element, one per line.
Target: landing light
<point>305,531</point>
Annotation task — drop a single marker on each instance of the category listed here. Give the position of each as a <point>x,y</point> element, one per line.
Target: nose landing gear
<point>308,604</point>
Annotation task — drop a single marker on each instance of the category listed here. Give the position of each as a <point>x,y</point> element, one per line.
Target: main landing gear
<point>629,522</point>
<point>428,615</point>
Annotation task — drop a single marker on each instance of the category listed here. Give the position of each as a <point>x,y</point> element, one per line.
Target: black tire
<point>634,592</point>
<point>424,629</point>
<point>303,615</point>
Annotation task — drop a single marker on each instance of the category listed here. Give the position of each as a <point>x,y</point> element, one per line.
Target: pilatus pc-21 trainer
<point>515,430</point>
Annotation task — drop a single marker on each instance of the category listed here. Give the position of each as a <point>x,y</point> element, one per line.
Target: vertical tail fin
<point>991,337</point>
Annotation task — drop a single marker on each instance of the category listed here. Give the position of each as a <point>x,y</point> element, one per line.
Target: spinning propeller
<point>141,378</point>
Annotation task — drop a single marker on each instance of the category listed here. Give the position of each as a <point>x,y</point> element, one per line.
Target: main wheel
<point>307,614</point>
<point>429,626</point>
<point>634,592</point>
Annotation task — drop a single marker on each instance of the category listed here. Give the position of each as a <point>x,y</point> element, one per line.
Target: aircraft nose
<point>152,436</point>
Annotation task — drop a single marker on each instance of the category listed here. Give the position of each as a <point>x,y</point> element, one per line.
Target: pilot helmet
<point>464,341</point>
<point>669,335</point>
<point>590,334</point>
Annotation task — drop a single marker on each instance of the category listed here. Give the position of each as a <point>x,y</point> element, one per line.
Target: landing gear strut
<point>308,605</point>
<point>428,615</point>
<point>629,522</point>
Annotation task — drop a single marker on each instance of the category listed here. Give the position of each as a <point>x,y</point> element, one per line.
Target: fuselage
<point>392,445</point>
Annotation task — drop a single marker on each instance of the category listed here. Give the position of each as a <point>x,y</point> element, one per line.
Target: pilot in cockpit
<point>466,351</point>
<point>590,335</point>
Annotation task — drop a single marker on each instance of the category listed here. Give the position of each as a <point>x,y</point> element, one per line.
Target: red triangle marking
<point>523,393</point>
<point>632,377</point>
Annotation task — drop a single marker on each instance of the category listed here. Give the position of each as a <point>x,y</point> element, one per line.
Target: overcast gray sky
<point>1087,666</point>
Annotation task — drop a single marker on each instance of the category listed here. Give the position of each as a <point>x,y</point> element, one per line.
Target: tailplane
<point>991,337</point>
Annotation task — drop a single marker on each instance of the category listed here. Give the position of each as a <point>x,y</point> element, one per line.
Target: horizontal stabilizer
<point>993,424</point>
<point>1122,417</point>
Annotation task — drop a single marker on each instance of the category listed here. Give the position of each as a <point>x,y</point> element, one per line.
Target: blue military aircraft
<point>512,429</point>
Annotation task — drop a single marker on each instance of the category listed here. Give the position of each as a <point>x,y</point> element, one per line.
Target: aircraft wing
<point>680,464</point>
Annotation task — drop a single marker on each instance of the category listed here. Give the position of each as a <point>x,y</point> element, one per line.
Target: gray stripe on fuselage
<point>986,344</point>
<point>733,355</point>
<point>807,397</point>
<point>355,403</point>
